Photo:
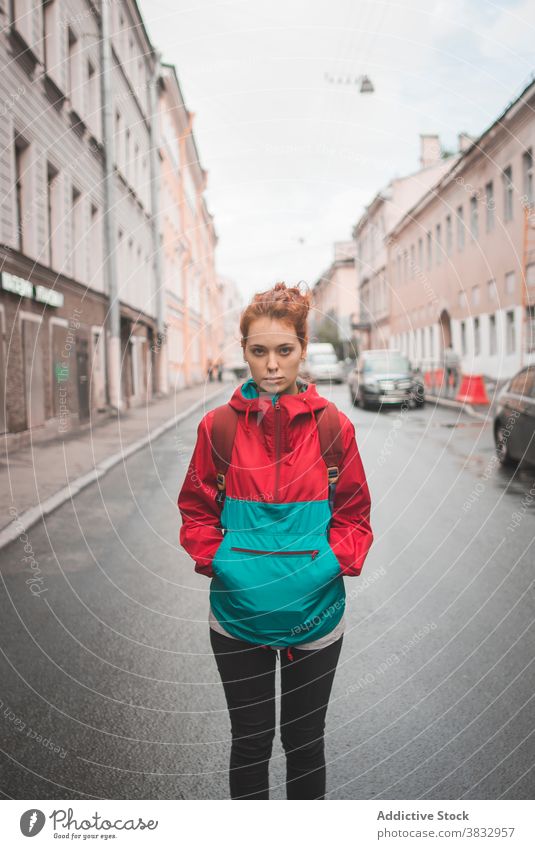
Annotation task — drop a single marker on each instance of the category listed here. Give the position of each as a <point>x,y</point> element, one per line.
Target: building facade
<point>335,299</point>
<point>372,232</point>
<point>52,300</point>
<point>193,298</point>
<point>85,234</point>
<point>462,260</point>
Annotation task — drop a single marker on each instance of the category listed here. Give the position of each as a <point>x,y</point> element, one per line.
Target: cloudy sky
<point>292,158</point>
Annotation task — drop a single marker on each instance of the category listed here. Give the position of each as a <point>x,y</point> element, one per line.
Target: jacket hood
<point>247,399</point>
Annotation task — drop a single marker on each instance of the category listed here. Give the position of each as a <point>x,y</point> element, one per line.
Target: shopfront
<point>52,358</point>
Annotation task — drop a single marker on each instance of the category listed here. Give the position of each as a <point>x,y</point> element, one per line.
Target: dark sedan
<point>384,377</point>
<point>514,421</point>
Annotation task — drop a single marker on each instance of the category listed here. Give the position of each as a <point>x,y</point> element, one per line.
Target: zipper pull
<point>314,553</point>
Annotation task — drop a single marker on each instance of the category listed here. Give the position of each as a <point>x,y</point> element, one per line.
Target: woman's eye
<point>258,352</point>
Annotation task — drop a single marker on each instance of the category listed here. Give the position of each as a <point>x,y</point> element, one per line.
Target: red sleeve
<point>350,534</point>
<point>200,533</point>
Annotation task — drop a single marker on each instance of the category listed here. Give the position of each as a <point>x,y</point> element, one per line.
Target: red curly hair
<point>288,304</point>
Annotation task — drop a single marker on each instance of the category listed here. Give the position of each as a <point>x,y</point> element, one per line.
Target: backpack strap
<point>223,433</point>
<point>224,430</point>
<point>332,449</point>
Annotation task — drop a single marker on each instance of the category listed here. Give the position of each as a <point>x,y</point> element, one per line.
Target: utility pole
<point>155,177</point>
<point>113,321</point>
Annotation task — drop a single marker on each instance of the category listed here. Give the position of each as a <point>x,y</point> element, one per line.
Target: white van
<point>321,363</point>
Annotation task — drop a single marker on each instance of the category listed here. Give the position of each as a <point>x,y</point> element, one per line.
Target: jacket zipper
<point>312,551</point>
<point>277,448</point>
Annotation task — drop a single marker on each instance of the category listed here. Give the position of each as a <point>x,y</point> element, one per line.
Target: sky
<point>292,158</point>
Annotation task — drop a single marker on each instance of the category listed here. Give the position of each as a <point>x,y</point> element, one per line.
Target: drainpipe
<point>160,346</point>
<point>113,324</point>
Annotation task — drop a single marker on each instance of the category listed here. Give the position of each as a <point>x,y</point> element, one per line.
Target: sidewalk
<point>485,412</point>
<point>38,478</point>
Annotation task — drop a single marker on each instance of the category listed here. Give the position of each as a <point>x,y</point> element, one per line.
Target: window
<point>492,334</point>
<point>405,265</point>
<point>477,337</point>
<point>93,100</point>
<point>449,235</point>
<point>23,20</point>
<point>460,228</point>
<point>77,235</point>
<point>530,274</point>
<point>527,176</point>
<point>413,260</point>
<point>510,340</point>
<point>22,189</point>
<point>420,253</point>
<point>52,35</point>
<point>75,84</point>
<point>399,267</point>
<point>117,139</point>
<point>127,153</point>
<point>507,179</point>
<point>96,253</point>
<point>52,208</point>
<point>463,300</point>
<point>474,223</point>
<point>510,283</point>
<point>475,295</point>
<point>429,248</point>
<point>491,290</point>
<point>522,383</point>
<point>530,329</point>
<point>489,203</point>
<point>463,338</point>
<point>438,232</point>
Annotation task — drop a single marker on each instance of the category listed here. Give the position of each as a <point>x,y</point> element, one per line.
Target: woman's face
<point>273,351</point>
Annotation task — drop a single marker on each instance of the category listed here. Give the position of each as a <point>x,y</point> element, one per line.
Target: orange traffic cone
<point>428,379</point>
<point>472,390</point>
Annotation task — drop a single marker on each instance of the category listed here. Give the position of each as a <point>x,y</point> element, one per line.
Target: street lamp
<point>366,85</point>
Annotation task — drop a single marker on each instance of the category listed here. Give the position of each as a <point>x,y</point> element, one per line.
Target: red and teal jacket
<point>274,551</point>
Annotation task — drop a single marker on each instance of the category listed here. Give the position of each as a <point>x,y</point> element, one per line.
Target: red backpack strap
<point>223,433</point>
<point>332,449</point>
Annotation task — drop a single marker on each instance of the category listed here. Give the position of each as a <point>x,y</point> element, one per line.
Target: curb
<point>458,405</point>
<point>30,517</point>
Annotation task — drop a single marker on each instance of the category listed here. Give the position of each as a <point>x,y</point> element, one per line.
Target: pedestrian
<point>276,530</point>
<point>209,367</point>
<point>220,369</point>
<point>451,367</point>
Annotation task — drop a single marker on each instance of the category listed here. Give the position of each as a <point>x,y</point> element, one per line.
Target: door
<point>34,389</point>
<point>3,378</point>
<point>82,371</point>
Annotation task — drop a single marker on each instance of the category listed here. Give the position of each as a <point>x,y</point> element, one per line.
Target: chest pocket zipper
<point>312,551</point>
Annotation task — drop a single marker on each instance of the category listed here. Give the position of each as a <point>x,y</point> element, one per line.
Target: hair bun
<point>286,303</point>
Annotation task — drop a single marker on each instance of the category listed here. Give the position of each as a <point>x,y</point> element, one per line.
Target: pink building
<point>371,234</point>
<point>193,296</point>
<point>458,258</point>
<point>335,298</point>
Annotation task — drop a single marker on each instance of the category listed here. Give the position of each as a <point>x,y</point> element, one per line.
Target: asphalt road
<point>109,688</point>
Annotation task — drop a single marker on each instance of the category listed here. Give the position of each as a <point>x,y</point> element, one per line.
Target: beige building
<point>193,297</point>
<point>335,298</point>
<point>371,234</point>
<point>458,258</point>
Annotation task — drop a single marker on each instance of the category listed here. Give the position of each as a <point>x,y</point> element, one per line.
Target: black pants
<point>248,676</point>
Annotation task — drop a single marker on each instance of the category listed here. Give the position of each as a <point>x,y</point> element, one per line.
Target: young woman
<point>276,529</point>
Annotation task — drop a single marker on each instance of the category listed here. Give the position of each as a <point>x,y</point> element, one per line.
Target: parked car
<point>321,363</point>
<point>384,376</point>
<point>514,420</point>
